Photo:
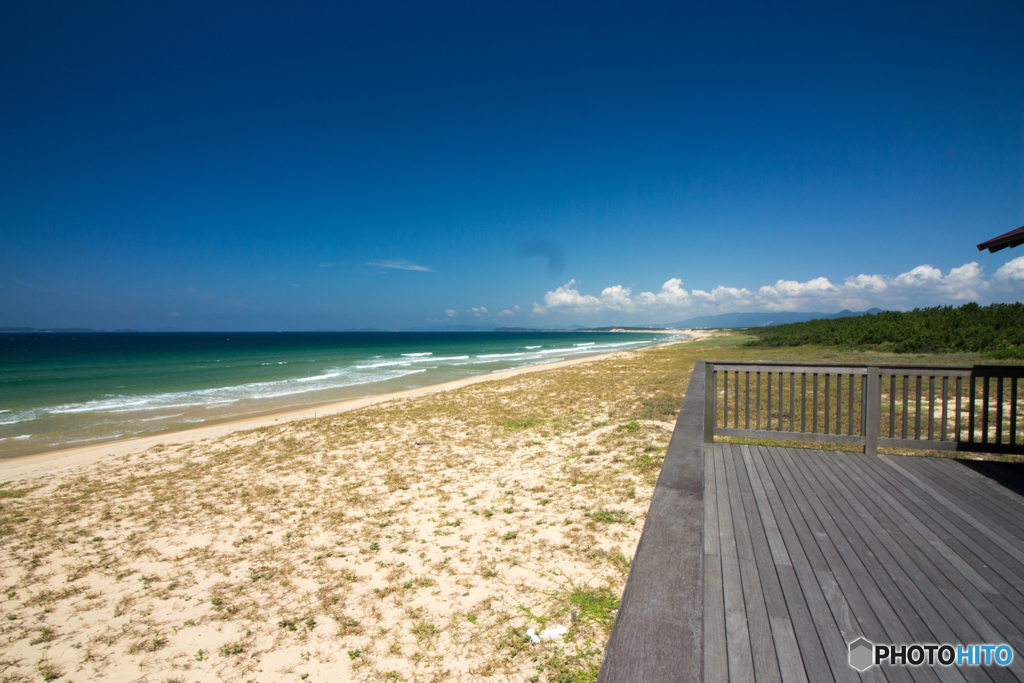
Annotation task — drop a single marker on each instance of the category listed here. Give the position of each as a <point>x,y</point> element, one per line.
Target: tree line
<point>996,331</point>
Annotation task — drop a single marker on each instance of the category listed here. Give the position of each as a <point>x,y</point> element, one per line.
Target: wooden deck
<point>763,563</point>
<point>807,550</point>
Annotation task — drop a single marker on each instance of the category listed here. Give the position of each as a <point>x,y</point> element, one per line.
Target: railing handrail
<point>854,368</point>
<point>854,365</point>
<point>863,421</point>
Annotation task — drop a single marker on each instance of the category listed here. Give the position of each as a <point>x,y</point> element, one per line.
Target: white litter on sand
<point>555,633</point>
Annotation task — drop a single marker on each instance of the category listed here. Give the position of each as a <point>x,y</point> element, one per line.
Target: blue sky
<point>296,165</point>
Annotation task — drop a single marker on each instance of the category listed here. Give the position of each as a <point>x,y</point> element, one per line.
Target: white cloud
<point>617,298</point>
<point>479,312</point>
<point>1011,272</point>
<point>567,297</point>
<point>793,288</point>
<point>400,265</point>
<point>451,313</point>
<point>671,294</point>
<point>505,313</point>
<point>175,314</point>
<point>924,285</point>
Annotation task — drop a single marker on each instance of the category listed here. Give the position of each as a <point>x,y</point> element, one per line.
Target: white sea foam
<point>501,355</point>
<point>23,436</point>
<point>318,377</point>
<point>533,347</point>
<point>220,395</point>
<point>407,361</point>
<point>161,417</point>
<point>585,344</point>
<point>414,355</point>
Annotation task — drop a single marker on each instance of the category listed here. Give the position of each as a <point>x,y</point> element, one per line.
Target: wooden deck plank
<point>788,652</point>
<point>741,661</point>
<point>812,571</point>
<point>1009,475</point>
<point>1006,544</point>
<point>859,578</point>
<point>925,611</point>
<point>810,662</point>
<point>954,531</point>
<point>982,495</point>
<point>762,644</point>
<point>1005,479</point>
<point>970,558</point>
<point>838,525</point>
<point>977,609</point>
<point>952,526</point>
<point>806,606</point>
<point>983,501</point>
<point>871,612</point>
<point>855,545</point>
<point>969,581</point>
<point>912,526</point>
<point>959,604</point>
<point>716,661</point>
<point>960,483</point>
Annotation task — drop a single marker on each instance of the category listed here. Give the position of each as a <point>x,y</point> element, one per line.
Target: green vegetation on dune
<point>996,331</point>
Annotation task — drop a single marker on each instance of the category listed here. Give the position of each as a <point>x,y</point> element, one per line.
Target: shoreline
<point>51,462</point>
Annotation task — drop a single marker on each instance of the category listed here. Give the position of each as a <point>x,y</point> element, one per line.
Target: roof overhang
<point>1010,239</point>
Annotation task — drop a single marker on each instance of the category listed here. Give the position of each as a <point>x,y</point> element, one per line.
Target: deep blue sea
<point>64,390</point>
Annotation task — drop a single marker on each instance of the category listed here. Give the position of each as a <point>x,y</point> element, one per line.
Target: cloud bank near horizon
<point>922,286</point>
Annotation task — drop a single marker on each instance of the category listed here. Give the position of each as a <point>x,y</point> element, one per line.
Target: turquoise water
<point>64,390</point>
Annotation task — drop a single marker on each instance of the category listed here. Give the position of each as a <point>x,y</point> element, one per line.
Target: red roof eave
<point>1010,239</point>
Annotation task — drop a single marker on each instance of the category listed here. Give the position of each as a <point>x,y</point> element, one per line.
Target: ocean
<point>65,390</point>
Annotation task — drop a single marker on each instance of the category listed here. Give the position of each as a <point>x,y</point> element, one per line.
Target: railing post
<point>873,418</point>
<point>710,403</point>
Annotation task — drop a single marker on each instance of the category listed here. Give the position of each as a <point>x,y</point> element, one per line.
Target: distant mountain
<point>730,320</point>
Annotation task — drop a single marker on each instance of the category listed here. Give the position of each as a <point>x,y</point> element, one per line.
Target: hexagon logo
<point>862,654</point>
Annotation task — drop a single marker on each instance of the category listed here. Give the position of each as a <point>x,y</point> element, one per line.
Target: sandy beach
<point>432,534</point>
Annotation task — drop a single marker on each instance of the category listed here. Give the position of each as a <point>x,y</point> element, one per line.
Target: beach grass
<point>417,540</point>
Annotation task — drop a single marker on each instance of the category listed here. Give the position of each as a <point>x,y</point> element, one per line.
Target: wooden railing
<point>953,408</point>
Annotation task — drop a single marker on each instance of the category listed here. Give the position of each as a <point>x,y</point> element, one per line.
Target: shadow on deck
<point>763,563</point>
